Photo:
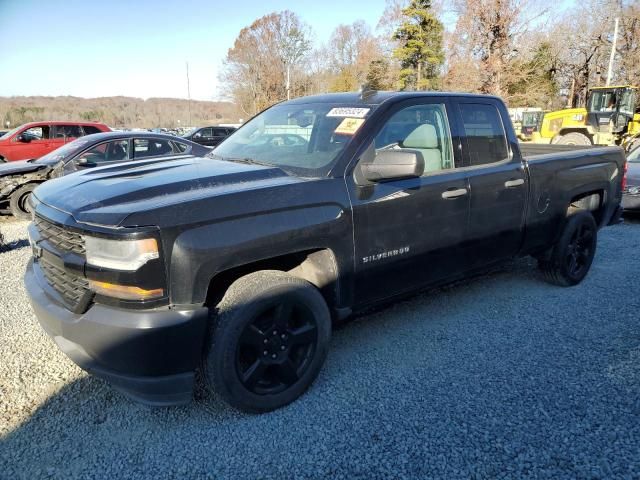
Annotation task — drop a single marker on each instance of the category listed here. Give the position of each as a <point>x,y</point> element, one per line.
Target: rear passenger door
<point>219,134</point>
<point>498,183</point>
<point>409,232</point>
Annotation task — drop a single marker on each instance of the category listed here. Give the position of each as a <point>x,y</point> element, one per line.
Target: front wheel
<point>569,260</point>
<point>269,339</point>
<point>19,202</point>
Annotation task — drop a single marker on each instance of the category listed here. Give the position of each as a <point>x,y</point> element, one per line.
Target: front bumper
<point>150,355</point>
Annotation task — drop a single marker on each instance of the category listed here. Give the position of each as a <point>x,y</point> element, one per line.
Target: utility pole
<point>613,52</point>
<point>189,93</point>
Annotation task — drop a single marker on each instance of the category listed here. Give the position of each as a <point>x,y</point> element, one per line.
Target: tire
<point>573,138</point>
<point>269,338</point>
<point>569,260</point>
<point>19,202</point>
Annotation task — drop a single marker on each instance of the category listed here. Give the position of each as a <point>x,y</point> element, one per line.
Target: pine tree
<point>420,50</point>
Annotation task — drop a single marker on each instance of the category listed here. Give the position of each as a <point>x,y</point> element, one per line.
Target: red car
<point>35,139</point>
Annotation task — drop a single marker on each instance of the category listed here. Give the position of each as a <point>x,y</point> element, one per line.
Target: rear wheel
<point>268,341</point>
<point>573,138</point>
<point>569,260</point>
<point>19,202</point>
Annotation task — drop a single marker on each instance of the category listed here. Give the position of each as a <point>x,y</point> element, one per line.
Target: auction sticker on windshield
<point>349,126</point>
<point>348,112</point>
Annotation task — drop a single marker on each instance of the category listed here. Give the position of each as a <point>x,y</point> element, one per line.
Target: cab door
<point>409,232</point>
<point>498,183</point>
<point>38,145</point>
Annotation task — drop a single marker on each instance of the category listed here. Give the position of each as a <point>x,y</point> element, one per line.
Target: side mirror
<point>197,135</point>
<point>23,138</point>
<point>392,165</point>
<point>85,163</point>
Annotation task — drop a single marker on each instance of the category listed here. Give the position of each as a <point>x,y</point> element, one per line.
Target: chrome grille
<point>62,239</point>
<point>71,288</point>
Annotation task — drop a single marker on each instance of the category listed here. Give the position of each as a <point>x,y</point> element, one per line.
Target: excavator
<point>611,117</point>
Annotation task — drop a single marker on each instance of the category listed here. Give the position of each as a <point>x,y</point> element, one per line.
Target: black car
<point>209,136</point>
<point>18,179</point>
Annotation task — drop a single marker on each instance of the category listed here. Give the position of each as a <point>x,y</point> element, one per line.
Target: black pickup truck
<point>231,270</point>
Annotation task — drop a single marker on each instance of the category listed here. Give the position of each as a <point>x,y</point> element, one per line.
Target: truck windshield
<point>306,138</point>
<point>602,101</point>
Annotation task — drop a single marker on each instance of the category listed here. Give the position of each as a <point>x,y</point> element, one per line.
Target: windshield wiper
<point>247,160</point>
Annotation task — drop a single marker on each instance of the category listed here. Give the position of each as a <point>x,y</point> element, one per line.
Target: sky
<point>140,48</point>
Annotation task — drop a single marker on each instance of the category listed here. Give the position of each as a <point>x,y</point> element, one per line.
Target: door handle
<point>514,183</point>
<point>459,192</point>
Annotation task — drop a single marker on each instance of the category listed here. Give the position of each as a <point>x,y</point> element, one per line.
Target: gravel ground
<point>499,377</point>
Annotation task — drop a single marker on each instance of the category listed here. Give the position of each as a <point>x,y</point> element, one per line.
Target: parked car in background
<point>18,179</point>
<point>234,266</point>
<point>35,139</point>
<point>631,192</point>
<point>209,136</point>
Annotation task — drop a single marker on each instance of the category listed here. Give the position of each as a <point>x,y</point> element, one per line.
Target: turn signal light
<point>124,292</point>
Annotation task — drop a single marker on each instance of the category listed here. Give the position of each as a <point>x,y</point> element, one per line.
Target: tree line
<point>521,50</point>
<point>117,112</point>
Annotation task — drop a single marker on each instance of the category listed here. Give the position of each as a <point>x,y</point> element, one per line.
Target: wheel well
<point>590,201</point>
<point>318,267</point>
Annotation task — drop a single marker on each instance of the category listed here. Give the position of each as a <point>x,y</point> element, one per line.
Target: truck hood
<point>109,195</point>
<point>21,166</point>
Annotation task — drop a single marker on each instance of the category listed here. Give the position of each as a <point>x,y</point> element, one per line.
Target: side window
<point>68,131</point>
<point>37,133</point>
<point>179,147</point>
<point>151,147</point>
<point>105,152</point>
<point>424,128</point>
<point>219,132</point>
<point>89,129</point>
<point>206,132</point>
<point>486,139</point>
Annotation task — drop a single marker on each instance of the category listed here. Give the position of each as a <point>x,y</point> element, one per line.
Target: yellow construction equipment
<point>612,117</point>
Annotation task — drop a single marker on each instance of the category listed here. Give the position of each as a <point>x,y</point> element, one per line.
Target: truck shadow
<point>87,420</point>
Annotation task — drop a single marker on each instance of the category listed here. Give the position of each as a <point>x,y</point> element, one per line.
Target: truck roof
<point>376,97</point>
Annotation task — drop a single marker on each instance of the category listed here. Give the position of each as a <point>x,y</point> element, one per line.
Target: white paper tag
<point>348,112</point>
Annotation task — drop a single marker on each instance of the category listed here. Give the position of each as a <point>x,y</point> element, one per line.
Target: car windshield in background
<point>9,133</point>
<point>64,152</point>
<point>304,138</point>
<point>634,156</point>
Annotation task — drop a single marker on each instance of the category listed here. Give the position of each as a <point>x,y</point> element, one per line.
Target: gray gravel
<point>499,377</point>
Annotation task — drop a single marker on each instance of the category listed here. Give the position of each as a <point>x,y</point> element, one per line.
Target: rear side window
<point>486,139</point>
<point>152,147</point>
<point>88,129</point>
<point>68,131</point>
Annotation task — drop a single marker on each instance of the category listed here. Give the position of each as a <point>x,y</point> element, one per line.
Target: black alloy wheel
<point>268,339</point>
<point>276,349</point>
<point>568,261</point>
<point>579,250</point>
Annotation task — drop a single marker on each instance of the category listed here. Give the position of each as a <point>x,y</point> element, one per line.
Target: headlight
<point>126,255</point>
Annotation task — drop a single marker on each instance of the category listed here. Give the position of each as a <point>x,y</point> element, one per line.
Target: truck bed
<point>534,149</point>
